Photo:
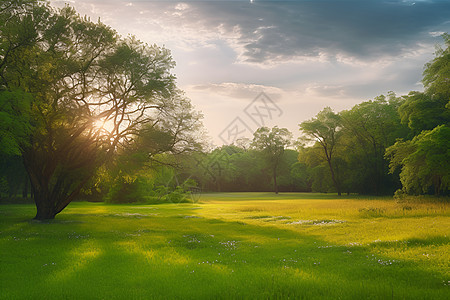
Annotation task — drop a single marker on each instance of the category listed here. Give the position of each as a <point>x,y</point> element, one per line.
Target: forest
<point>86,114</point>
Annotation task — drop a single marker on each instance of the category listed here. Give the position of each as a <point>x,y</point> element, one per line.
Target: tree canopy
<point>436,76</point>
<point>424,161</point>
<point>272,143</point>
<point>92,93</point>
<point>324,130</point>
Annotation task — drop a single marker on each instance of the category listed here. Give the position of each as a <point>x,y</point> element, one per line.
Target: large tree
<point>272,143</point>
<point>424,159</point>
<point>324,130</point>
<point>92,93</point>
<point>431,108</point>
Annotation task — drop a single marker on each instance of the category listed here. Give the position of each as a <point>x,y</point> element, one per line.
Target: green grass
<point>230,246</point>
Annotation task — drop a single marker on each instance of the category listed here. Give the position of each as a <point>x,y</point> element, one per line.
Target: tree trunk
<point>336,184</point>
<point>333,178</point>
<point>25,187</point>
<point>44,212</point>
<point>45,209</point>
<point>218,187</point>
<point>437,185</point>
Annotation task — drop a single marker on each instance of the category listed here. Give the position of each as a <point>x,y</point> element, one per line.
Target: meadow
<point>230,246</point>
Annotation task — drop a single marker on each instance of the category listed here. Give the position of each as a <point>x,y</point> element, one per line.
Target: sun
<point>106,126</point>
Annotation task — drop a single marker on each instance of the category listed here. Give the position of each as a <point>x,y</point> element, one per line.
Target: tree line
<point>391,144</point>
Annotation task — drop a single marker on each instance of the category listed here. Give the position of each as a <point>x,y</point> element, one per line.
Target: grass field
<point>230,246</point>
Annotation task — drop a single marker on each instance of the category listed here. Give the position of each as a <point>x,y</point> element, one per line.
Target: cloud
<point>273,32</point>
<point>327,91</point>
<point>305,55</point>
<point>239,90</point>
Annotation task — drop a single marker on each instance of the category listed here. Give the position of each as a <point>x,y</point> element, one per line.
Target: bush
<point>128,191</point>
<point>141,190</point>
<point>179,195</point>
<point>399,194</point>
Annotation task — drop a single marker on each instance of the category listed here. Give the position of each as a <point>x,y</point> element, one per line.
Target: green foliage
<point>271,143</point>
<point>15,125</point>
<point>14,179</point>
<point>168,189</point>
<point>436,76</point>
<point>300,175</point>
<point>324,130</point>
<point>423,161</point>
<point>354,147</point>
<point>286,178</point>
<point>148,185</point>
<point>422,112</point>
<point>368,128</point>
<point>173,194</point>
<point>177,196</point>
<point>3,186</point>
<point>233,168</point>
<point>358,143</point>
<point>128,190</point>
<point>375,123</point>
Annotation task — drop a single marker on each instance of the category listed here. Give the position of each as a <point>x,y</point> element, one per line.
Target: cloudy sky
<point>302,55</point>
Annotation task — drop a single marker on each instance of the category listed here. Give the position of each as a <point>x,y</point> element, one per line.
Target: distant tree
<point>272,143</point>
<point>324,130</point>
<point>243,143</point>
<point>248,171</point>
<point>290,177</point>
<point>216,166</point>
<point>317,171</point>
<point>368,129</point>
<point>301,177</point>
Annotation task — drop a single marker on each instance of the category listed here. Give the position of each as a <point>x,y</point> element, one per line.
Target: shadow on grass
<point>266,196</point>
<point>416,242</point>
<point>167,256</point>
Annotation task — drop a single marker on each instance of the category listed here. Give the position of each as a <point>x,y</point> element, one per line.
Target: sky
<point>247,64</point>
